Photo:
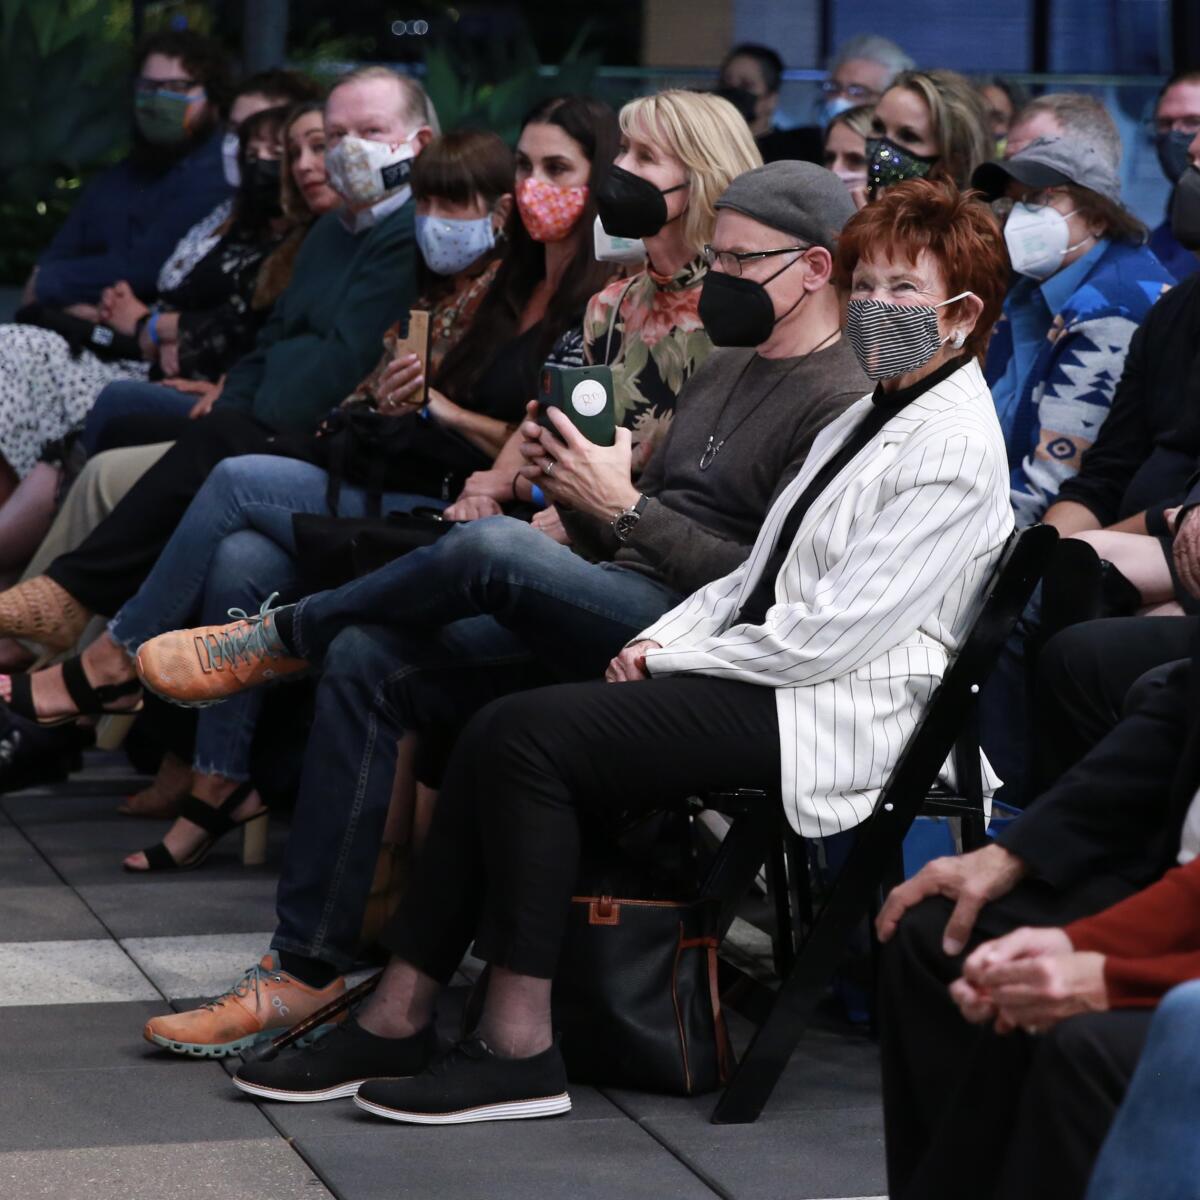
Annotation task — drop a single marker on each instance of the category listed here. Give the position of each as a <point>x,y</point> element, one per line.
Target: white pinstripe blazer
<point>881,584</point>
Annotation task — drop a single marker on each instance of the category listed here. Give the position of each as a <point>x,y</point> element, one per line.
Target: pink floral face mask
<point>549,212</point>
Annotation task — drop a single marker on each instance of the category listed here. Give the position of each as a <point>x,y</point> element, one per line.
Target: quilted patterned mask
<point>549,212</point>
<point>363,172</point>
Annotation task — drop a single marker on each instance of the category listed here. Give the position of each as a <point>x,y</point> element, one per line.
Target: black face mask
<point>888,163</point>
<point>630,206</point>
<point>740,312</point>
<point>259,191</point>
<point>1185,209</point>
<point>1173,154</point>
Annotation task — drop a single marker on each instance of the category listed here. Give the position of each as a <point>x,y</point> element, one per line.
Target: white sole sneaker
<point>267,1093</point>
<point>511,1110</point>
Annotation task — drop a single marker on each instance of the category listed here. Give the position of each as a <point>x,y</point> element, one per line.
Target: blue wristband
<point>152,327</point>
<point>539,497</point>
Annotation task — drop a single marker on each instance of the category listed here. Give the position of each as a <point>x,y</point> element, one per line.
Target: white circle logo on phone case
<point>588,398</point>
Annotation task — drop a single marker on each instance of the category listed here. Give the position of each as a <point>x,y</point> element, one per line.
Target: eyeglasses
<point>854,91</point>
<point>731,260</point>
<point>1040,199</point>
<point>179,86</point>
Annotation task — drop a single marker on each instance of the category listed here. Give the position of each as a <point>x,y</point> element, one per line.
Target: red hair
<point>957,229</point>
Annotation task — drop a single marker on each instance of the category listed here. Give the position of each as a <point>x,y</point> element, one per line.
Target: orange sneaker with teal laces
<point>264,1003</point>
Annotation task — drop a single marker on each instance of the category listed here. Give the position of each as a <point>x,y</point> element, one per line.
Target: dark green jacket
<point>324,333</point>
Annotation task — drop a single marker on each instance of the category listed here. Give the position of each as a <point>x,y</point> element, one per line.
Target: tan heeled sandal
<point>42,611</point>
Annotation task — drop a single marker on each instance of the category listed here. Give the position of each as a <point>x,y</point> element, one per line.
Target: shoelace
<point>474,1048</point>
<point>253,978</point>
<point>245,642</point>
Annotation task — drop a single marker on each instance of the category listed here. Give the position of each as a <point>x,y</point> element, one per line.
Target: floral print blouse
<point>653,344</point>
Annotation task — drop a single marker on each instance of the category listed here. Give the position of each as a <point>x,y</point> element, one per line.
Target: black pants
<point>1031,1113</point>
<point>144,429</point>
<point>112,562</point>
<point>1086,677</point>
<point>502,854</point>
<point>951,1090</point>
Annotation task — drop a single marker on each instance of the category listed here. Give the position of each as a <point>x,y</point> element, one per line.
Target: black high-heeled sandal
<point>89,701</point>
<point>216,822</point>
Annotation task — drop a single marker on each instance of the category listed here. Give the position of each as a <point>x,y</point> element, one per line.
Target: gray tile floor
<point>91,1112</point>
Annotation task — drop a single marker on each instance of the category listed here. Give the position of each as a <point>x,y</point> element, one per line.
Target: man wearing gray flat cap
<point>498,606</point>
<point>1085,282</point>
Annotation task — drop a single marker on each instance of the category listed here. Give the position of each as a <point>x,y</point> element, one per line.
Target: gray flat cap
<point>798,198</point>
<point>1051,162</point>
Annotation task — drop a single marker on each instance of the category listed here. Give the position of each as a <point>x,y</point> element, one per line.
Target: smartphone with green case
<point>585,395</point>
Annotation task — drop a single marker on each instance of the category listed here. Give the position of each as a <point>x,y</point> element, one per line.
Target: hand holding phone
<point>396,391</point>
<point>585,396</point>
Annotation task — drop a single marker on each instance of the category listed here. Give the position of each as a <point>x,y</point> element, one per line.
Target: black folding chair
<point>759,833</point>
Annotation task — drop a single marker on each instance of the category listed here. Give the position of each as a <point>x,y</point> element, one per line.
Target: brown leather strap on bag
<point>724,1046</point>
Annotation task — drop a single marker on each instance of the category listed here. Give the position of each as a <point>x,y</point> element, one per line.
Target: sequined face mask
<point>888,164</point>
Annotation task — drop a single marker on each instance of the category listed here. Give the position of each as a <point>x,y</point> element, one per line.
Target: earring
<point>958,339</point>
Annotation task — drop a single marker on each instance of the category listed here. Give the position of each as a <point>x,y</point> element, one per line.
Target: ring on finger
<point>548,468</point>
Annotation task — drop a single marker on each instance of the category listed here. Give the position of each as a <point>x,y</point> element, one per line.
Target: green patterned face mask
<point>162,117</point>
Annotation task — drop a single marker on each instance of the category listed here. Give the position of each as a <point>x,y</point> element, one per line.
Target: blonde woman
<point>679,151</point>
<point>928,123</point>
<point>846,149</point>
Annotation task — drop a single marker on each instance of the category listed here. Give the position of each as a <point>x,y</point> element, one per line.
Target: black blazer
<point>1120,809</point>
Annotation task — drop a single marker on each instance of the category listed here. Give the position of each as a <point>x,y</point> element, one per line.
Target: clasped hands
<point>1030,979</point>
<point>120,308</point>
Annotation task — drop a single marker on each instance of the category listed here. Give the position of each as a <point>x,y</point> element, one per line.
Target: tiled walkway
<point>89,1111</point>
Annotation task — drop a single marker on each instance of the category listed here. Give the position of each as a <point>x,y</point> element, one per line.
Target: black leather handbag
<point>331,551</point>
<point>380,453</point>
<point>636,1002</point>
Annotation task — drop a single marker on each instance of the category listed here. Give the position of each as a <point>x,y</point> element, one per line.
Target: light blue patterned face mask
<point>449,245</point>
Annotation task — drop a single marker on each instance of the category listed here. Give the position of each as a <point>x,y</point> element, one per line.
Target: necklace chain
<point>712,448</point>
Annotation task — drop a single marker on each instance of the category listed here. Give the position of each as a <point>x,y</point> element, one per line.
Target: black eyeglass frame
<point>712,257</point>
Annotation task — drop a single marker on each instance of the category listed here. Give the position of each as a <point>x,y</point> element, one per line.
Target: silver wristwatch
<point>624,523</point>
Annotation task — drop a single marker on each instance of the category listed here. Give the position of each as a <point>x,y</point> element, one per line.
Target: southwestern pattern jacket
<point>881,585</point>
<point>1069,390</point>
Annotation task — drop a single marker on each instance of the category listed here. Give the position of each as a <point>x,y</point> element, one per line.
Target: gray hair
<point>1081,115</point>
<point>417,106</point>
<point>874,48</point>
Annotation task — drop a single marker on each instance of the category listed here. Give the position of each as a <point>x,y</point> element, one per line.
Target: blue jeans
<point>233,548</point>
<point>565,609</point>
<point>1152,1148</point>
<point>553,617</point>
<point>128,399</point>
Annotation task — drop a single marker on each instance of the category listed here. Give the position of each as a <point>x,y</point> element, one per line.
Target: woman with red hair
<point>802,672</point>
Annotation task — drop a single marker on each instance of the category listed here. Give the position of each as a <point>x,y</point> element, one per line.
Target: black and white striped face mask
<point>893,339</point>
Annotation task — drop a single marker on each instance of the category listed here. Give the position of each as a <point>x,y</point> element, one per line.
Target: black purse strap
<point>335,468</point>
